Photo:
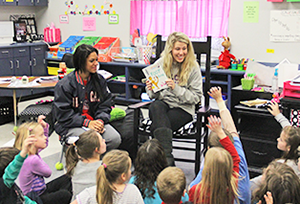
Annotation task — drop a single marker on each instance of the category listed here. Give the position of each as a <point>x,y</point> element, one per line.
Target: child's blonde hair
<point>189,62</point>
<point>219,180</point>
<point>83,148</point>
<point>114,164</point>
<point>23,132</point>
<point>171,184</point>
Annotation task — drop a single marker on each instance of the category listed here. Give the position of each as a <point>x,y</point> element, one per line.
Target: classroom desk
<point>44,84</point>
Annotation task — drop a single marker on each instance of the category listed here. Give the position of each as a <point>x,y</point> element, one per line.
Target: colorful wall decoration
<point>105,9</point>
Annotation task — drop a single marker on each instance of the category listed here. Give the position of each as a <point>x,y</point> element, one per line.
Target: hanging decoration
<point>105,9</point>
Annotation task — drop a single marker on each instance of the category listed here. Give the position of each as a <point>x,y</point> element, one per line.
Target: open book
<point>156,75</point>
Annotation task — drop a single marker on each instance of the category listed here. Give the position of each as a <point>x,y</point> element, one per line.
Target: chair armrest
<point>203,110</point>
<point>140,105</point>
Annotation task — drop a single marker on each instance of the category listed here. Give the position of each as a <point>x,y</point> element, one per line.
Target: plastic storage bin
<point>247,84</point>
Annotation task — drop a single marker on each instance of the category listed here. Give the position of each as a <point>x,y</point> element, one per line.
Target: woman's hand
<point>274,108</point>
<point>97,126</point>
<point>170,83</point>
<point>41,121</point>
<point>28,142</point>
<point>149,85</point>
<point>216,93</point>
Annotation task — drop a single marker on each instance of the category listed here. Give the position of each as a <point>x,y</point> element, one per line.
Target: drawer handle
<point>5,52</point>
<point>36,49</point>
<point>11,64</point>
<point>18,64</point>
<point>259,153</point>
<point>22,50</point>
<point>34,62</point>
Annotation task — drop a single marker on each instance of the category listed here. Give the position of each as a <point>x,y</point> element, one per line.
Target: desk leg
<point>15,106</point>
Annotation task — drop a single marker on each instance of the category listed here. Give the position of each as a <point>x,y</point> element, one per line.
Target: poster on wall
<point>113,19</point>
<point>89,24</point>
<point>293,0</point>
<point>275,0</point>
<point>251,11</point>
<point>285,26</point>
<point>64,19</point>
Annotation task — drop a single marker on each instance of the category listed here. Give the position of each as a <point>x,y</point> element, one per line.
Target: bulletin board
<point>285,26</point>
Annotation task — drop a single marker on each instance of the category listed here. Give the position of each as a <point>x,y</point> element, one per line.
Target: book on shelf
<point>157,76</point>
<point>105,74</point>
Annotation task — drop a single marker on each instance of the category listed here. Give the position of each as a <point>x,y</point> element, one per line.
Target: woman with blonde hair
<point>175,105</point>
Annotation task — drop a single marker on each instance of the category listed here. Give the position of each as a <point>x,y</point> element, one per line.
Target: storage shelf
<point>136,83</point>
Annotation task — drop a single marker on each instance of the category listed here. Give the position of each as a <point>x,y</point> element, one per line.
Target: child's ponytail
<point>83,148</point>
<point>71,159</point>
<point>115,163</point>
<point>105,188</point>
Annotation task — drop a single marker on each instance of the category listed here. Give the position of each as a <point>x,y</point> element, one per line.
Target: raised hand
<point>216,93</point>
<point>28,142</point>
<point>41,121</point>
<point>274,108</point>
<point>215,125</point>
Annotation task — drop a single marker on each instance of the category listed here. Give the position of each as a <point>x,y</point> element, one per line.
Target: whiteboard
<point>285,26</point>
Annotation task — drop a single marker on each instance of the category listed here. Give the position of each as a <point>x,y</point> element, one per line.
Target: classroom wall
<point>251,40</point>
<point>58,7</point>
<point>6,11</point>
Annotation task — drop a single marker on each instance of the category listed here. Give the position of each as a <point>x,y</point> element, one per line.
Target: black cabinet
<point>258,130</point>
<point>23,59</point>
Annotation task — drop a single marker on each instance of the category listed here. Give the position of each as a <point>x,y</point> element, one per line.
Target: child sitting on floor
<point>35,169</point>
<point>280,180</point>
<point>83,160</point>
<point>220,172</point>
<point>150,161</point>
<point>171,185</point>
<point>288,142</point>
<point>11,161</point>
<point>231,131</point>
<point>111,186</point>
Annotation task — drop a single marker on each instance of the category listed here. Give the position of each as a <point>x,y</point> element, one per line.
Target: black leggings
<point>162,115</point>
<point>58,191</point>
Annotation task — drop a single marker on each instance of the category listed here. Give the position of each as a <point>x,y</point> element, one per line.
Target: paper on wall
<point>287,72</point>
<point>263,73</point>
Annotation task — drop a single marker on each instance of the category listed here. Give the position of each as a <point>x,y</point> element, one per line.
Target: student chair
<point>194,132</point>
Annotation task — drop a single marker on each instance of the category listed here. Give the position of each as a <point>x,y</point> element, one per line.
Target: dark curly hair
<point>150,161</point>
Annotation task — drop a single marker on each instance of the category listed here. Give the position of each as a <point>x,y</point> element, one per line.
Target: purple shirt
<point>33,172</point>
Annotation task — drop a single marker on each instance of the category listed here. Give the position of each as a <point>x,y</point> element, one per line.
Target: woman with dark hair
<point>150,161</point>
<point>82,100</point>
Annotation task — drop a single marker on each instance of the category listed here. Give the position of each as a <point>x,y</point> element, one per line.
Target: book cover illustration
<point>156,75</point>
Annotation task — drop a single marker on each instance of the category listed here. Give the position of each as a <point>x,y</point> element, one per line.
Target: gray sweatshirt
<point>184,97</point>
